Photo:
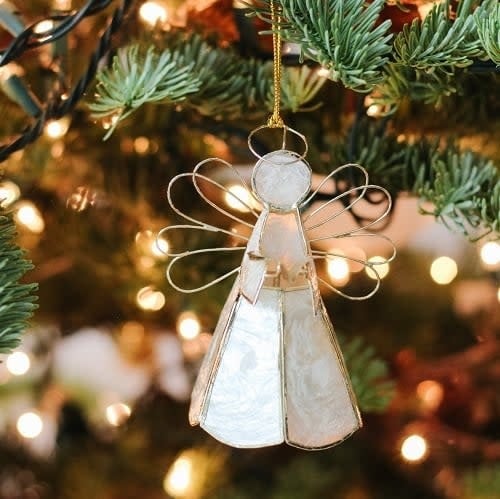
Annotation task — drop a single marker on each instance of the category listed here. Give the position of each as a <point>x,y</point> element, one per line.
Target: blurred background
<point>94,402</point>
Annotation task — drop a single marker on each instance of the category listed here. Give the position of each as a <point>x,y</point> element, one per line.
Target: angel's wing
<point>331,222</point>
<point>187,232</point>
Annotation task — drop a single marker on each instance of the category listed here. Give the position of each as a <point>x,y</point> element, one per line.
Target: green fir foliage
<point>462,187</point>
<point>344,36</point>
<point>16,300</point>
<point>216,82</point>
<point>487,18</point>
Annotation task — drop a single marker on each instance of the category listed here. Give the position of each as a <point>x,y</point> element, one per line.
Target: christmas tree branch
<point>216,82</point>
<point>16,300</point>
<point>341,35</point>
<point>461,186</point>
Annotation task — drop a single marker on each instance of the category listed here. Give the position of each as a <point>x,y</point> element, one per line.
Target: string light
<point>148,242</point>
<point>178,479</point>
<point>148,298</point>
<point>9,192</point>
<point>61,4</point>
<point>443,270</point>
<point>152,12</point>
<point>118,413</point>
<point>56,129</point>
<point>43,26</point>
<point>381,267</point>
<point>188,325</point>
<point>431,393</point>
<point>338,269</point>
<point>490,253</point>
<point>141,145</point>
<point>29,425</point>
<point>29,216</point>
<point>18,363</point>
<point>238,195</point>
<point>414,448</point>
<point>323,72</point>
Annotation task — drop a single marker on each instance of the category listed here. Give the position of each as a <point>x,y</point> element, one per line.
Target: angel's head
<point>281,179</point>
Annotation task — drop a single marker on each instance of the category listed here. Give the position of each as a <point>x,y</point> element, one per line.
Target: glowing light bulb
<point>43,26</point>
<point>141,145</point>
<point>374,110</point>
<point>444,270</point>
<point>9,192</point>
<point>238,195</point>
<point>18,363</point>
<point>152,12</point>
<point>431,393</point>
<point>490,253</point>
<point>148,298</point>
<point>29,425</point>
<point>188,325</point>
<point>498,295</point>
<point>61,4</point>
<point>338,269</point>
<point>118,413</point>
<point>179,477</point>
<point>29,216</point>
<point>160,247</point>
<point>323,72</point>
<point>381,267</point>
<point>414,448</point>
<point>55,129</point>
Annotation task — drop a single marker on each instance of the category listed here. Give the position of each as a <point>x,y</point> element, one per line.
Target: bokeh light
<point>18,363</point>
<point>178,479</point>
<point>431,393</point>
<point>9,192</point>
<point>117,414</point>
<point>338,269</point>
<point>152,12</point>
<point>29,425</point>
<point>148,298</point>
<point>490,253</point>
<point>414,448</point>
<point>443,270</point>
<point>55,129</point>
<point>188,325</point>
<point>238,195</point>
<point>29,216</point>
<point>381,267</point>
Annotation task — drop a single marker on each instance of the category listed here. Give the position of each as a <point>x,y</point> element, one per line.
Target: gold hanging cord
<point>275,120</point>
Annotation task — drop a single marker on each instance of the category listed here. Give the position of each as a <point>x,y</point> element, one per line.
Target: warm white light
<point>444,270</point>
<point>29,425</point>
<point>374,110</point>
<point>61,4</point>
<point>148,298</point>
<point>498,295</point>
<point>338,270</point>
<point>188,325</point>
<point>490,253</point>
<point>27,214</point>
<point>110,121</point>
<point>414,448</point>
<point>178,479</point>
<point>9,192</point>
<point>381,267</point>
<point>118,413</point>
<point>159,247</point>
<point>238,195</point>
<point>141,145</point>
<point>148,242</point>
<point>152,12</point>
<point>18,363</point>
<point>323,72</point>
<point>431,393</point>
<point>55,129</point>
<point>43,26</point>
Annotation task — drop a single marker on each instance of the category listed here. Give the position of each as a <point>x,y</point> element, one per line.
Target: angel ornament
<point>274,371</point>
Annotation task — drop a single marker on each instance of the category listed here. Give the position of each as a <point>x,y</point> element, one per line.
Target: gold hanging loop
<point>276,121</point>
